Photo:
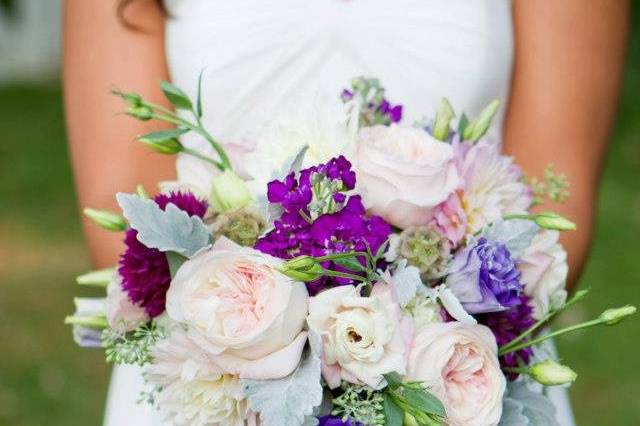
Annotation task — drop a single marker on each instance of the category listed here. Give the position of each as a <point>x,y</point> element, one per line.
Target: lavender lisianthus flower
<point>145,271</point>
<point>484,277</point>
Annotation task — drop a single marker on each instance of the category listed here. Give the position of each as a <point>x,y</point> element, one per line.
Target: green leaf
<point>393,379</point>
<point>163,135</point>
<point>424,401</point>
<point>393,414</point>
<point>350,263</point>
<point>175,261</point>
<point>177,97</point>
<point>199,98</point>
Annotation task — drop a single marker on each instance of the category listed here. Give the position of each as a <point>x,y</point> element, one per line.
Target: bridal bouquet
<point>345,270</point>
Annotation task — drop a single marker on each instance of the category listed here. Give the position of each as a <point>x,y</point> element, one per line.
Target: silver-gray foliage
<point>291,400</point>
<point>171,229</point>
<point>524,407</point>
<point>516,234</point>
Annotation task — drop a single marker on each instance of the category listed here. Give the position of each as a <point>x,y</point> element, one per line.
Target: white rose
<point>362,336</point>
<point>122,313</point>
<point>459,364</point>
<point>403,173</point>
<point>240,308</point>
<point>544,272</point>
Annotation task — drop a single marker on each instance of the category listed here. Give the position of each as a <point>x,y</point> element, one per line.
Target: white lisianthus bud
<point>106,219</point>
<point>550,373</point>
<point>548,220</point>
<point>228,192</point>
<point>615,315</point>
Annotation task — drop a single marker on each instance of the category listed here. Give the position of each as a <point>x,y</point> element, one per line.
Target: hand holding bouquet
<point>355,271</point>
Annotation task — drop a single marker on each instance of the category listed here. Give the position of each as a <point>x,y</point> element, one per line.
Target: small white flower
<point>363,337</point>
<point>544,272</point>
<point>218,401</point>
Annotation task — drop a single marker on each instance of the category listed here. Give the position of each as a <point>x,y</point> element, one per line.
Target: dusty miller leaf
<point>516,234</point>
<point>171,229</point>
<point>524,407</point>
<point>290,400</point>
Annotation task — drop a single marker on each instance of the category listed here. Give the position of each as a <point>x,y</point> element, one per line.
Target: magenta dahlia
<point>145,271</point>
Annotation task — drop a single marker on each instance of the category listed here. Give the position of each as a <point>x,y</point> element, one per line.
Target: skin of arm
<point>101,54</point>
<point>568,70</point>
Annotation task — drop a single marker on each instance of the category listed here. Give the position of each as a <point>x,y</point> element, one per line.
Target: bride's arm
<point>101,54</point>
<point>568,71</point>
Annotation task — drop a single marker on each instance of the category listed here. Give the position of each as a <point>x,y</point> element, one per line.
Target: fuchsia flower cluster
<point>345,228</point>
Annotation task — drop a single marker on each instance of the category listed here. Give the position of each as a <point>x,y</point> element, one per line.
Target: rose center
<point>354,336</point>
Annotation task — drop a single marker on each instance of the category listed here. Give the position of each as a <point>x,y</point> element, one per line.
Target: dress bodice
<point>261,58</point>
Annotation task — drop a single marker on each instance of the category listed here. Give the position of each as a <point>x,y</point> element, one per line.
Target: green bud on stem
<point>141,112</point>
<point>550,220</point>
<point>168,146</point>
<point>615,315</point>
<point>99,278</point>
<point>303,268</point>
<point>441,124</point>
<point>106,219</point>
<point>551,373</point>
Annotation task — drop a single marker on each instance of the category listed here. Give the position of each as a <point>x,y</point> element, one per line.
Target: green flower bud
<point>549,220</point>
<point>441,124</point>
<point>615,315</point>
<point>141,112</point>
<point>100,278</point>
<point>409,420</point>
<point>550,373</point>
<point>302,268</point>
<point>96,321</point>
<point>478,127</point>
<point>164,146</point>
<point>106,220</point>
<point>229,192</point>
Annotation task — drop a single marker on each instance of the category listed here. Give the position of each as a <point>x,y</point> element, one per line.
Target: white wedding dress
<point>263,57</point>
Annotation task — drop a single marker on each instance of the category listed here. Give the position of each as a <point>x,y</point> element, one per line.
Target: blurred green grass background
<point>46,379</point>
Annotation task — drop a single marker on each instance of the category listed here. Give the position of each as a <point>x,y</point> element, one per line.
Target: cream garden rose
<point>458,362</point>
<point>403,173</point>
<point>362,336</point>
<point>240,309</point>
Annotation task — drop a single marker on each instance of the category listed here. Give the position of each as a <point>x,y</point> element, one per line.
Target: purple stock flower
<point>485,278</point>
<point>145,271</point>
<point>506,326</point>
<point>344,228</point>
<point>335,421</point>
<point>377,111</point>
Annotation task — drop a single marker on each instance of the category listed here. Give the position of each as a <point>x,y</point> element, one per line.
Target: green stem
<point>517,216</point>
<point>541,339</point>
<point>576,298</point>
<point>202,157</point>
<point>340,256</point>
<point>330,273</point>
<point>172,118</point>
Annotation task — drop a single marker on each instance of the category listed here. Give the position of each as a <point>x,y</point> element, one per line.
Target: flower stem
<point>541,339</point>
<point>330,273</point>
<point>576,298</point>
<point>196,154</point>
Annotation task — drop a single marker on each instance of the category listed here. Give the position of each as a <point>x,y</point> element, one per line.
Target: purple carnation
<point>345,228</point>
<point>508,325</point>
<point>145,271</point>
<point>485,278</point>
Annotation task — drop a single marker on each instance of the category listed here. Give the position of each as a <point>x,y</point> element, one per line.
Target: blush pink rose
<point>242,310</point>
<point>458,362</point>
<point>403,173</point>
